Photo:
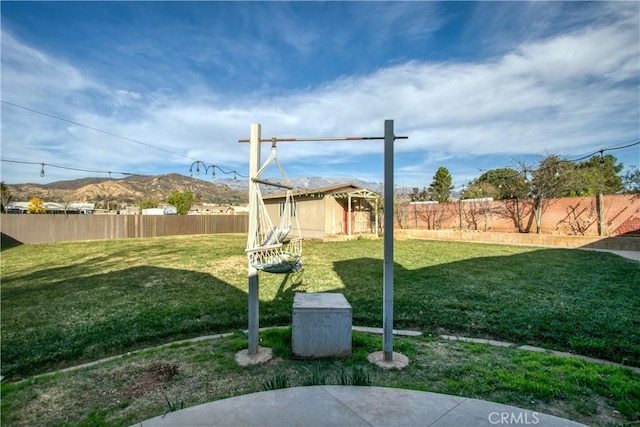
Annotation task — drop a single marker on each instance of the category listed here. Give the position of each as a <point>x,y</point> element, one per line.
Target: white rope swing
<point>269,249</point>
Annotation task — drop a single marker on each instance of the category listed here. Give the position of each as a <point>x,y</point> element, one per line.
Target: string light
<point>213,168</point>
<point>557,162</point>
<point>43,164</point>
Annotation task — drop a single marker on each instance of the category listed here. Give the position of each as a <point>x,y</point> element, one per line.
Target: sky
<point>152,87</point>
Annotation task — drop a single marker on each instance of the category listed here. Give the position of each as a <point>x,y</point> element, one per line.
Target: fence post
<point>600,214</point>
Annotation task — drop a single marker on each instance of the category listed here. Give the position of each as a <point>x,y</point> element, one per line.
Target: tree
<point>433,213</point>
<point>502,184</point>
<point>36,206</point>
<point>598,175</point>
<point>474,211</point>
<point>551,179</point>
<point>401,199</point>
<point>6,197</point>
<point>480,190</point>
<point>632,180</point>
<point>147,203</point>
<point>419,196</point>
<point>182,200</point>
<point>441,186</point>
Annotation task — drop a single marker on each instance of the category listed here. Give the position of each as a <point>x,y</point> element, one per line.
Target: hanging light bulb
<point>601,158</point>
<point>197,170</point>
<point>42,171</point>
<point>213,173</point>
<point>235,178</point>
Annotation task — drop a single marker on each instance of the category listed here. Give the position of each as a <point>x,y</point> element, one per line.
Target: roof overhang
<point>342,191</point>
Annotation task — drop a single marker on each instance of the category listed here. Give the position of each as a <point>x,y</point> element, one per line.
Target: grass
<point>68,303</point>
<point>154,382</point>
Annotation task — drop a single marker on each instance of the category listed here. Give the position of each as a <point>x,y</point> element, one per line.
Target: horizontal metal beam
<point>273,184</point>
<point>319,139</point>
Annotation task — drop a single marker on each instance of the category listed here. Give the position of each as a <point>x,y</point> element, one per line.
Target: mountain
<point>133,189</point>
<point>308,182</point>
<point>127,191</point>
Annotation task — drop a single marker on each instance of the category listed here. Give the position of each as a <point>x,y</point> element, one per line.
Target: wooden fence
<point>59,228</point>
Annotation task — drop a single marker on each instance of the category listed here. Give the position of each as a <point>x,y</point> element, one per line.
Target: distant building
<point>165,210</point>
<point>54,208</point>
<point>215,209</point>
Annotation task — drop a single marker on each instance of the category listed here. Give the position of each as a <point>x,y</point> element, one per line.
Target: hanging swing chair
<point>272,249</point>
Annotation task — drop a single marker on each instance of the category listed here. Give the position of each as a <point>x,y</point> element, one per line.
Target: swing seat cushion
<point>292,265</point>
<point>276,235</point>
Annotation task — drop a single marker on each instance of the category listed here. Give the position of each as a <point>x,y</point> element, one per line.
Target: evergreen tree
<point>441,186</point>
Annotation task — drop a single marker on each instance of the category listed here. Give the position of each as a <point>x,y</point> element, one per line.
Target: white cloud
<point>573,91</point>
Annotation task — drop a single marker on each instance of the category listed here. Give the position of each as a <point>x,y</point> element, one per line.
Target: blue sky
<point>474,85</point>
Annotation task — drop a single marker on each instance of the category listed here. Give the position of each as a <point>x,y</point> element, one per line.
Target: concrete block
<point>321,325</point>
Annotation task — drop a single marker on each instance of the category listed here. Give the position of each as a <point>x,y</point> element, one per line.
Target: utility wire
<point>113,134</point>
<point>236,173</point>
<point>603,150</point>
<point>588,156</point>
<point>42,164</point>
<point>96,129</point>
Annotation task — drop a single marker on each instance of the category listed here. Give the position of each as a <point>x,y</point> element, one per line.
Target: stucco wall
<point>310,214</point>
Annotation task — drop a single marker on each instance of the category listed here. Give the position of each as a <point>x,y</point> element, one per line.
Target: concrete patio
<point>353,406</point>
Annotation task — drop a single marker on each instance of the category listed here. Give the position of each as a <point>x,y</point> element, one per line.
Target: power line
<point>588,156</point>
<point>96,129</point>
<point>42,165</point>
<point>603,150</point>
<point>112,134</point>
<point>109,172</point>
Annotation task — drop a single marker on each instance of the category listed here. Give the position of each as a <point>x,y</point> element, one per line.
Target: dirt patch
<point>153,378</point>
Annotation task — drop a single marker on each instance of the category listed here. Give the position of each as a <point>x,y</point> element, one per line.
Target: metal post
<point>387,309</point>
<point>254,309</point>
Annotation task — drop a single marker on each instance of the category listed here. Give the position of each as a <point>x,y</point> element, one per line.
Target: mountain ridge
<point>133,189</point>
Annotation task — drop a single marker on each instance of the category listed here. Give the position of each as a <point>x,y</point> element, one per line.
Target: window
<point>294,208</point>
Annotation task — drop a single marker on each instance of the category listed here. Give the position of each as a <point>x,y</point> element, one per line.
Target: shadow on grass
<point>67,316</point>
<point>554,298</point>
<point>64,316</point>
<point>8,242</point>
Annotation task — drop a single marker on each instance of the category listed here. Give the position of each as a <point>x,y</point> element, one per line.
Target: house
<point>343,209</point>
<point>216,209</point>
<point>54,208</point>
<point>164,210</point>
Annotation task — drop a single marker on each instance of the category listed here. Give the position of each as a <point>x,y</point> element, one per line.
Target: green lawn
<point>68,303</point>
<point>151,383</point>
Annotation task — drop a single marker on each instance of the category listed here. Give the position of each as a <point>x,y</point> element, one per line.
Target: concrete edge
<point>363,329</point>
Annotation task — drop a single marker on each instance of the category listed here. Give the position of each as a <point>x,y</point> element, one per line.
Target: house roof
<point>338,191</point>
<point>54,206</point>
